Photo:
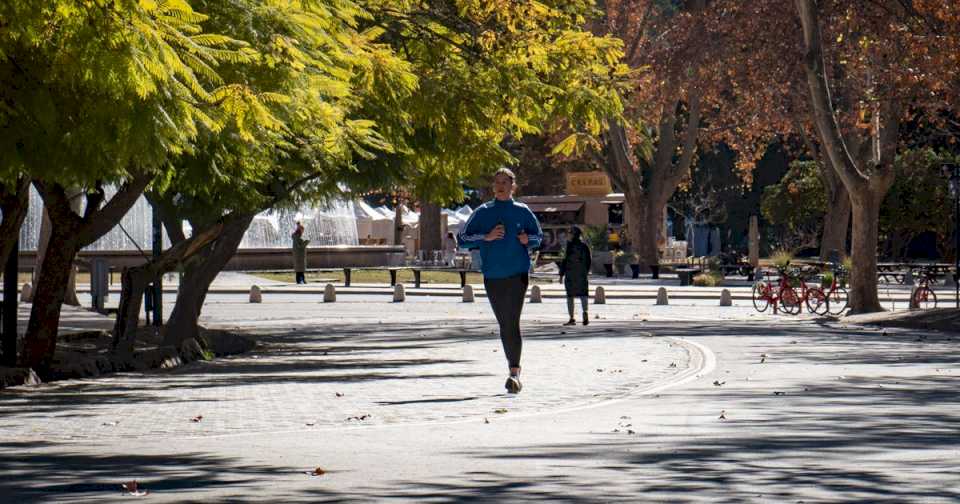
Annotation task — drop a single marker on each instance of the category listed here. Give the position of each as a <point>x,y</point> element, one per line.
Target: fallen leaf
<point>723,415</point>
<point>316,472</point>
<point>338,394</point>
<point>718,383</point>
<point>486,421</point>
<point>624,418</point>
<point>110,424</point>
<point>630,431</point>
<point>777,392</point>
<point>197,418</point>
<point>599,370</point>
<point>132,489</point>
<point>673,364</point>
<point>500,410</point>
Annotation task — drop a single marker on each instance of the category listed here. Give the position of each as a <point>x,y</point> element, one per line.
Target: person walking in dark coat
<point>574,270</point>
<point>299,254</point>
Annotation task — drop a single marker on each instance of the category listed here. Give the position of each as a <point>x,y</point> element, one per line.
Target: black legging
<point>506,297</point>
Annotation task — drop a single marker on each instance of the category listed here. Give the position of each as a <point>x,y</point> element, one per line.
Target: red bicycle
<point>923,296</point>
<point>833,300</point>
<point>785,295</point>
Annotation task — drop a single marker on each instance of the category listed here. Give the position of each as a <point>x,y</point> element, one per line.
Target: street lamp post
<point>952,171</point>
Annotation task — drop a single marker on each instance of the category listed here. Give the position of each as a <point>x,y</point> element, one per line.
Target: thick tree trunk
<point>837,219</point>
<point>40,341</point>
<point>650,217</point>
<point>863,278</point>
<point>430,227</point>
<point>197,277</point>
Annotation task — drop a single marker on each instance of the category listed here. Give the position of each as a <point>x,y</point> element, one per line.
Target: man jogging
<point>504,230</point>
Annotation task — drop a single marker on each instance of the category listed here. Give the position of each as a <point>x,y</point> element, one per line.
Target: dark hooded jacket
<point>575,267</point>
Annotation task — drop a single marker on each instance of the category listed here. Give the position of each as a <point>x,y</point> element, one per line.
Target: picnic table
<point>903,273</point>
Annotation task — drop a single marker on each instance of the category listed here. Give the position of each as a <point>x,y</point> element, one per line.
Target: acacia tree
<point>290,136</point>
<point>94,95</point>
<point>489,72</point>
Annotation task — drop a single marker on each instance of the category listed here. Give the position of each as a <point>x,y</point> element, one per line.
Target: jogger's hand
<point>496,233</point>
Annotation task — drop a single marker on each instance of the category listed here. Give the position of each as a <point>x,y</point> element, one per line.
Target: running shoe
<point>513,384</point>
<point>571,322</point>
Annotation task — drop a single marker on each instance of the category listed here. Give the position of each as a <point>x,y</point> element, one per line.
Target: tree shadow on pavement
<point>45,471</point>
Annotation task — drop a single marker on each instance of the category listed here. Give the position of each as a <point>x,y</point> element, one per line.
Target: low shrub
<point>711,279</point>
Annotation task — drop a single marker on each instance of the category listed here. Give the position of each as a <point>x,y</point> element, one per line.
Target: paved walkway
<point>757,408</point>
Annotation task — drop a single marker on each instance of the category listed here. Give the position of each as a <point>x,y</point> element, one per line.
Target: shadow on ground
<point>868,437</point>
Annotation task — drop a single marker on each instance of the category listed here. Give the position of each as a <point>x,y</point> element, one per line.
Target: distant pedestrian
<point>299,254</point>
<point>449,249</point>
<point>573,272</point>
<point>504,230</point>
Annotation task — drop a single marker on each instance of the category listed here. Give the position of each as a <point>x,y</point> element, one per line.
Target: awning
<point>555,207</point>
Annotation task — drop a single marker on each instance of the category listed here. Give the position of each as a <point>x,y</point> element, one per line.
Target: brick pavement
<point>314,373</point>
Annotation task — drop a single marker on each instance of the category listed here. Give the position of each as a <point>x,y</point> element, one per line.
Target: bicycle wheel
<point>816,301</point>
<point>924,298</point>
<point>790,301</point>
<point>837,301</point>
<point>761,296</point>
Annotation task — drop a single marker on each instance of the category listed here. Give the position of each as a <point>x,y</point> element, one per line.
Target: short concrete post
<point>662,298</point>
<point>600,296</point>
<point>255,295</point>
<point>913,298</point>
<point>399,294</point>
<point>329,293</point>
<point>535,296</point>
<point>468,293</point>
<point>26,293</point>
<point>908,278</point>
<point>725,298</point>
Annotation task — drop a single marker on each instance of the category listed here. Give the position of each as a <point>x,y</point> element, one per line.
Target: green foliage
<point>708,279</point>
<point>781,259</point>
<point>595,237</point>
<point>94,90</point>
<point>487,71</point>
<point>919,201</point>
<point>796,206</point>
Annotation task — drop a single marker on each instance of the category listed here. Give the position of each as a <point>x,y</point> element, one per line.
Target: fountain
<point>331,229</point>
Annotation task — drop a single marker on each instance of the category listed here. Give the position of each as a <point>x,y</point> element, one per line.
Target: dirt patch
<point>940,319</point>
<point>89,354</point>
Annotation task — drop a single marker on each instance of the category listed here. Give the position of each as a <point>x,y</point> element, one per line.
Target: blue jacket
<point>505,257</point>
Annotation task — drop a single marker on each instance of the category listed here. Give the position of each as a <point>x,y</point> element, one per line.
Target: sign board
<point>595,183</point>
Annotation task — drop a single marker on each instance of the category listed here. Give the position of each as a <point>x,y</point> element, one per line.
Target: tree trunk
<point>398,224</point>
<point>197,277</point>
<point>863,278</point>
<point>40,341</point>
<point>837,219</point>
<point>133,284</point>
<point>650,217</point>
<point>136,279</point>
<point>430,227</point>
<point>69,233</point>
